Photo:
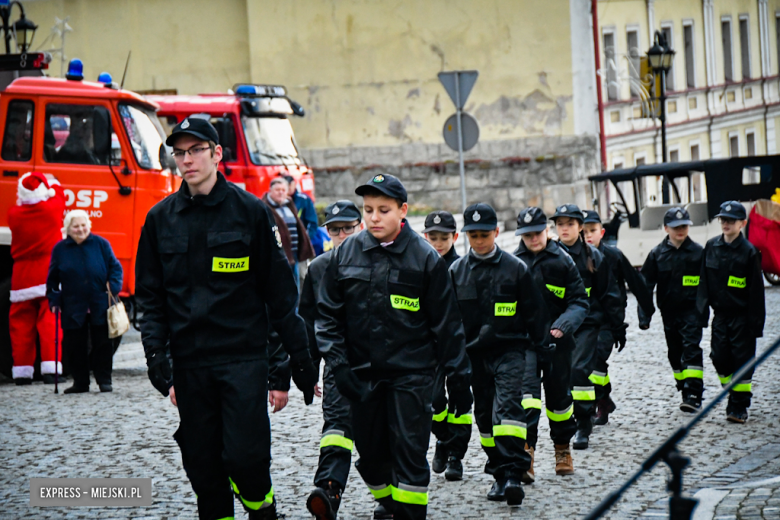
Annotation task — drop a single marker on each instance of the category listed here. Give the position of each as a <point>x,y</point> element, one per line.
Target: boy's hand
<point>277,399</point>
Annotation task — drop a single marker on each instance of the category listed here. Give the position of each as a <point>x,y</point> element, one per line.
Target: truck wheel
<point>774,279</point>
<point>6,361</point>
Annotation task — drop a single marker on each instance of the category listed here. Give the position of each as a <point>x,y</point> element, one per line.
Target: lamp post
<point>660,57</point>
<point>23,29</point>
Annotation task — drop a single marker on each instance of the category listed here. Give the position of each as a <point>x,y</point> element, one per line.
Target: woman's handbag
<point>118,323</point>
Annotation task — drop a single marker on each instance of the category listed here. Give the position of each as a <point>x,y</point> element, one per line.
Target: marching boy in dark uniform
<point>209,262</point>
<point>673,266</point>
<point>388,320</point>
<point>731,283</point>
<point>342,220</point>
<point>453,434</point>
<point>504,315</point>
<point>624,273</point>
<point>557,277</point>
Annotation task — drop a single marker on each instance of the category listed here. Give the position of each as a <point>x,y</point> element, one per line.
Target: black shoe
<point>439,462</point>
<point>737,416</point>
<point>324,502</point>
<point>106,388</point>
<point>76,390</point>
<point>381,513</point>
<point>691,403</point>
<point>265,513</point>
<point>513,491</point>
<point>604,407</point>
<point>454,469</point>
<point>48,379</point>
<point>497,491</point>
<point>580,441</point>
<point>23,381</point>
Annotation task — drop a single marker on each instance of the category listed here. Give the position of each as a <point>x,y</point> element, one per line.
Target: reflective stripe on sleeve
<point>406,494</point>
<point>439,417</point>
<point>560,415</point>
<point>599,378</point>
<point>466,418</point>
<point>487,440</point>
<point>336,438</point>
<point>510,429</point>
<point>380,491</point>
<point>583,393</point>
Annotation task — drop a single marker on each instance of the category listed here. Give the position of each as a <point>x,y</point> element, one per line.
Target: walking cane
<point>56,348</point>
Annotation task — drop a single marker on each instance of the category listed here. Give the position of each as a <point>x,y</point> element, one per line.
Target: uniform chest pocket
<point>466,292</point>
<point>405,287</point>
<point>229,251</point>
<point>173,256</point>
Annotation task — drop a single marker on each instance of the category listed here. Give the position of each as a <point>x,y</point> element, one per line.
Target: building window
<point>694,152</point>
<point>632,40</point>
<point>731,96</point>
<point>734,145</point>
<point>614,116</point>
<point>690,66</point>
<point>639,161</point>
<point>671,107</point>
<point>693,103</point>
<point>674,156</point>
<point>750,138</point>
<point>667,32</point>
<point>728,60</point>
<point>610,63</point>
<point>748,93</point>
<point>744,46</point>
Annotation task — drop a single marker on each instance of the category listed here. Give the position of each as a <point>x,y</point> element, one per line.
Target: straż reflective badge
<point>278,236</point>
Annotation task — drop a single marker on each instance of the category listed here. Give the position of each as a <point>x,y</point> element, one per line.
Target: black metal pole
<point>664,182</point>
<point>5,13</point>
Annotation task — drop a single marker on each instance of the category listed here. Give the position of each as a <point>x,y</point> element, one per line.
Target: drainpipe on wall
<point>599,95</point>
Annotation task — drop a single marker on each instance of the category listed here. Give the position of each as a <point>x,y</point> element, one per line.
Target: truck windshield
<point>270,140</point>
<point>145,134</point>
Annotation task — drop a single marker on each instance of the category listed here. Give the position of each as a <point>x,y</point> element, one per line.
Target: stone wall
<point>509,175</point>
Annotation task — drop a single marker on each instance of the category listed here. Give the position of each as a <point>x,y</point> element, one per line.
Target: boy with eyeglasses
<point>342,220</point>
<point>452,434</point>
<point>388,320</point>
<point>732,284</point>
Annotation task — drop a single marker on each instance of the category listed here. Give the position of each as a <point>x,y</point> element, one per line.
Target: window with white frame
<point>750,142</point>
<point>744,45</point>
<point>666,30</point>
<point>733,144</point>
<point>690,63</point>
<point>728,54</point>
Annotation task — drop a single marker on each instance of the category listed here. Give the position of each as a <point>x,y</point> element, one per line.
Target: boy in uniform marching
<point>731,283</point>
<point>557,277</point>
<point>624,273</point>
<point>452,434</point>
<point>673,266</point>
<point>342,220</point>
<point>388,320</point>
<point>504,315</point>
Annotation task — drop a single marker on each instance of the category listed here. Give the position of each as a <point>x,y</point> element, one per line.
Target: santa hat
<point>33,188</point>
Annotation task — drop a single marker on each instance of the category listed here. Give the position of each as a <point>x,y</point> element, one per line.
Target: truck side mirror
<point>227,154</point>
<point>297,109</point>
<point>101,134</point>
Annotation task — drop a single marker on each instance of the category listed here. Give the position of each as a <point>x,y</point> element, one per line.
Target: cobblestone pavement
<point>128,434</point>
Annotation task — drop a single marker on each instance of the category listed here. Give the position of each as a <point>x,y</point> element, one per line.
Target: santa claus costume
<point>35,223</point>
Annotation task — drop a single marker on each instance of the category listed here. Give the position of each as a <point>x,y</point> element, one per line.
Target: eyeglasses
<point>348,230</point>
<point>195,150</point>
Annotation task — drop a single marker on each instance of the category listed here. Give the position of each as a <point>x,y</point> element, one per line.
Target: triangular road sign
<point>465,79</point>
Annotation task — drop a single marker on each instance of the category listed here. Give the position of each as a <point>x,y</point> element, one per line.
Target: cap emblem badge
<point>728,208</point>
<point>476,216</point>
<point>185,124</point>
<point>679,214</point>
<point>564,209</point>
<point>527,218</point>
<point>437,219</point>
<point>335,210</point>
<point>379,178</point>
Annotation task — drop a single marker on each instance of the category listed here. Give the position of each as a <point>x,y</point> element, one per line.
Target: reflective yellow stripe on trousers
<point>509,428</point>
<point>583,393</point>
<point>487,440</point>
<point>599,378</point>
<point>466,418</point>
<point>336,438</point>
<point>560,415</point>
<point>440,417</point>
<point>269,498</point>
<point>529,401</point>
<point>404,493</point>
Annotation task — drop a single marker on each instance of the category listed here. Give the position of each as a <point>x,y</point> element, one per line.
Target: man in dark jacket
<point>624,273</point>
<point>388,319</point>
<point>674,267</point>
<point>306,210</point>
<point>342,220</point>
<point>209,262</point>
<point>504,315</point>
<point>732,284</point>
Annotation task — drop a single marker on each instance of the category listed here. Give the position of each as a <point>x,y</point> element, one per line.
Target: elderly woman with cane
<point>81,266</point>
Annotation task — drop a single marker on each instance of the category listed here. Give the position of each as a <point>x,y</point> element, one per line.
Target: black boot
<point>604,407</point>
<point>23,381</point>
<point>265,513</point>
<point>580,441</point>
<point>75,389</point>
<point>454,469</point>
<point>513,491</point>
<point>497,491</point>
<point>324,501</point>
<point>381,512</point>
<point>691,403</point>
<point>439,462</point>
<point>48,379</point>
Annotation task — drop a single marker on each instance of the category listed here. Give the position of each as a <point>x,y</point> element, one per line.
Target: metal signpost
<point>458,85</point>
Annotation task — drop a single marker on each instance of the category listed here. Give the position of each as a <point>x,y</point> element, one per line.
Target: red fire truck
<point>254,130</point>
<point>105,146</point>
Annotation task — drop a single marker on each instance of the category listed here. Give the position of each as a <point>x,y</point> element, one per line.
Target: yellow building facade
<point>723,89</point>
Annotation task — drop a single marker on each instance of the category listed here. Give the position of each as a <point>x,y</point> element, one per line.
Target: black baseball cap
<point>531,220</point>
<point>385,183</point>
<point>676,217</point>
<point>194,126</point>
<point>591,217</point>
<point>440,221</point>
<point>479,217</point>
<point>568,210</point>
<point>342,211</point>
<point>732,209</point>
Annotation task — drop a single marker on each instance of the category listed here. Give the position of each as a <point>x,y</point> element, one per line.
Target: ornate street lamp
<point>23,30</point>
<point>660,58</point>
